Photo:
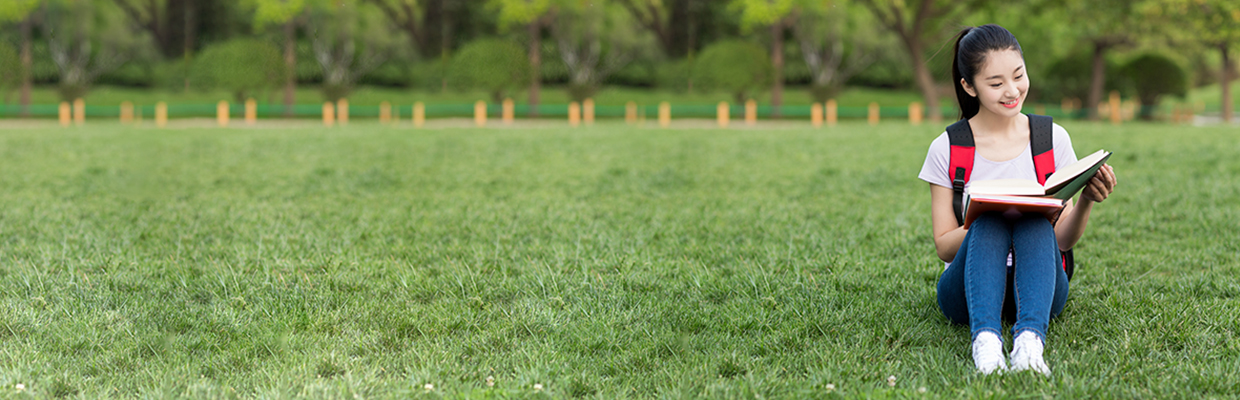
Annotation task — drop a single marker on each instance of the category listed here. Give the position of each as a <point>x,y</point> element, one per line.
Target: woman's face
<point>1001,84</point>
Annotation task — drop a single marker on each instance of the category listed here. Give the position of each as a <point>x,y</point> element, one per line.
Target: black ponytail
<point>972,44</point>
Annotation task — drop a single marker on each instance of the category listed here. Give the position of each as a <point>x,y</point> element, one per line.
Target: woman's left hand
<point>1101,186</point>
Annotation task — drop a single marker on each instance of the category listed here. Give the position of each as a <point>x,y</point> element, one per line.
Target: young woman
<point>1002,263</point>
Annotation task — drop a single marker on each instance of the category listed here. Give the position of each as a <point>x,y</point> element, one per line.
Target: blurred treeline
<point>512,48</point>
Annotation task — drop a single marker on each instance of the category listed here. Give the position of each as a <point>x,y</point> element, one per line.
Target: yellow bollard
<point>587,112</point>
<point>721,114</point>
<point>665,114</point>
<point>873,117</point>
<point>79,112</point>
<point>480,113</point>
<point>342,111</point>
<point>815,115</point>
<point>751,112</point>
<point>574,114</point>
<point>419,114</point>
<point>329,114</point>
<point>126,112</point>
<point>914,113</point>
<point>251,112</point>
<point>832,112</point>
<point>630,112</point>
<point>385,112</point>
<point>221,113</point>
<point>508,112</point>
<point>65,113</point>
<point>161,114</point>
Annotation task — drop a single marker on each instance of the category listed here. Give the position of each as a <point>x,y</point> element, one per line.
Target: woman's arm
<point>1072,222</point>
<point>947,234</point>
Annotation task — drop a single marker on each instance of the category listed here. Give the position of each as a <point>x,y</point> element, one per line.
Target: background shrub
<point>499,67</point>
<point>737,67</point>
<point>240,66</point>
<point>1153,76</point>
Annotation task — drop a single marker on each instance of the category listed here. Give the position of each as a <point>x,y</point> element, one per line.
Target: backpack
<point>1041,144</point>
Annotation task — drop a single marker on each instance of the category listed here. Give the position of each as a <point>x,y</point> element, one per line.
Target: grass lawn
<point>603,262</point>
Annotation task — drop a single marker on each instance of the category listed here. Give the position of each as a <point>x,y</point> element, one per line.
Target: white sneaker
<point>1027,353</point>
<point>988,353</point>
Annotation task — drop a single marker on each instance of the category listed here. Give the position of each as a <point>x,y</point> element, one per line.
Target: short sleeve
<point>934,170</point>
<point>1064,154</point>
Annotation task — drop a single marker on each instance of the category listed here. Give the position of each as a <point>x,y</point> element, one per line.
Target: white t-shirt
<point>939,156</point>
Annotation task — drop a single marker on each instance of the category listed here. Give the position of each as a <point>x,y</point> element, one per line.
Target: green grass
<point>603,262</point>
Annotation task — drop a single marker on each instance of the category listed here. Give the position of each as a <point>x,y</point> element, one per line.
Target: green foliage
<point>11,65</point>
<point>676,76</point>
<point>496,66</point>
<point>1070,77</point>
<point>760,13</point>
<point>274,12</point>
<point>17,10</point>
<point>240,66</point>
<point>1153,76</point>
<point>737,67</point>
<point>514,13</point>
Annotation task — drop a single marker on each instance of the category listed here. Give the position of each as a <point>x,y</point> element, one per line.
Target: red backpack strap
<point>1042,143</point>
<point>960,135</point>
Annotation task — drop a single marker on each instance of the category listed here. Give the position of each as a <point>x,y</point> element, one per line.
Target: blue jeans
<point>978,287</point>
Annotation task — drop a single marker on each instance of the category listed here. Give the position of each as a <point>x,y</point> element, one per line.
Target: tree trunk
<point>290,65</point>
<point>1096,81</point>
<point>777,62</point>
<point>925,82</point>
<point>190,27</point>
<point>535,65</point>
<point>1226,84</point>
<point>27,80</point>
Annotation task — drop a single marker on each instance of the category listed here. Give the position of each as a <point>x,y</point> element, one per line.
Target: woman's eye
<point>996,85</point>
<point>1020,76</point>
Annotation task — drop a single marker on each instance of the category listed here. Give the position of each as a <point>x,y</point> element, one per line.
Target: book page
<point>1018,187</point>
<point>1061,177</point>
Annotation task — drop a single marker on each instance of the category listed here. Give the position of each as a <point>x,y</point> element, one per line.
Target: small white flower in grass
<point>891,381</point>
<point>830,387</point>
<point>538,387</point>
<point>20,387</point>
<point>490,381</point>
<point>428,387</point>
<point>921,389</point>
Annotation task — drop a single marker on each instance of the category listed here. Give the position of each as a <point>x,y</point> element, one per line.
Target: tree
<point>1105,25</point>
<point>917,23</point>
<point>23,12</point>
<point>494,65</point>
<point>533,15</point>
<point>1214,23</point>
<point>735,66</point>
<point>777,16</point>
<point>1154,76</point>
<point>677,25</point>
<point>579,32</point>
<point>821,32</point>
<point>283,13</point>
<point>348,41</point>
<point>241,66</point>
<point>92,39</point>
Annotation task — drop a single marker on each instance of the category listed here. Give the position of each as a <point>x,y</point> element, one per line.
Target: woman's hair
<point>972,45</point>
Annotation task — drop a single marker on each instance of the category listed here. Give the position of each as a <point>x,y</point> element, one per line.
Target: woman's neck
<point>987,123</point>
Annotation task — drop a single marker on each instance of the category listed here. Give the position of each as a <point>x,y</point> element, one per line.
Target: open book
<point>1017,196</point>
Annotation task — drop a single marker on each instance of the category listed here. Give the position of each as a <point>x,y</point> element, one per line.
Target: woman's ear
<point>967,88</point>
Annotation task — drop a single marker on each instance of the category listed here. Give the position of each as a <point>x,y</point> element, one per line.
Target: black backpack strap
<point>960,135</point>
<point>1042,144</point>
